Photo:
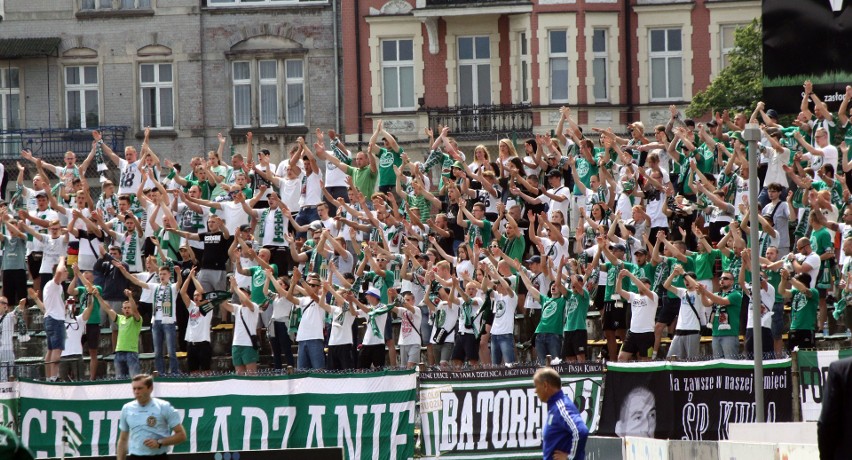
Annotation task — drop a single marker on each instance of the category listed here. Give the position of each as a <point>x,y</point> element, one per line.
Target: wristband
<point>159,444</point>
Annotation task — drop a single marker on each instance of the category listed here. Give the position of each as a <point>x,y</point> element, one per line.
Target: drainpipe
<point>336,68</point>
<point>628,67</point>
<point>203,74</point>
<point>358,68</point>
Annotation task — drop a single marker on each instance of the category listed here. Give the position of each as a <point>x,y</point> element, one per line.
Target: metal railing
<point>484,121</point>
<point>51,144</point>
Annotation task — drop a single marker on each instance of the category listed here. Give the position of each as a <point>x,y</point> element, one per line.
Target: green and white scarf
<point>129,247</point>
<point>164,302</point>
<point>379,310</point>
<point>278,227</point>
<point>99,157</point>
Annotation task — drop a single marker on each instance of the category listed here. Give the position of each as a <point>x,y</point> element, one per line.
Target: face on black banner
<point>694,402</point>
<point>805,40</point>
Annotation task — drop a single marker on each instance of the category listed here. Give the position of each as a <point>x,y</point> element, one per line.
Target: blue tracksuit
<point>564,429</point>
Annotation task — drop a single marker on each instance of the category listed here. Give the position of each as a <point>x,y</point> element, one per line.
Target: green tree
<point>739,84</point>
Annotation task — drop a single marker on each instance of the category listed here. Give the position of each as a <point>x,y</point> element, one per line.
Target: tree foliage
<point>738,85</point>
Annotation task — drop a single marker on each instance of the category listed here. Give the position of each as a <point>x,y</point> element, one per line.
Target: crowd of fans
<point>651,230</point>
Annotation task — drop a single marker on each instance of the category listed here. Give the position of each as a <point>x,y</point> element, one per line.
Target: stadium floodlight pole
<point>751,134</point>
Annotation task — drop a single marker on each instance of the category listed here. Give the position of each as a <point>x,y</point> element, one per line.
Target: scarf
<point>215,298</point>
<point>164,302</point>
<point>802,226</point>
<point>278,226</point>
<point>378,311</point>
<point>99,157</point>
<point>105,203</point>
<point>129,247</point>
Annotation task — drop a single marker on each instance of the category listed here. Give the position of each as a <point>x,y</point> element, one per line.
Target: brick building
<point>504,67</point>
<point>188,68</point>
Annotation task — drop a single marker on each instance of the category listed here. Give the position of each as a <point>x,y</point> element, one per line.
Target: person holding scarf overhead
<point>376,313</point>
<point>164,319</point>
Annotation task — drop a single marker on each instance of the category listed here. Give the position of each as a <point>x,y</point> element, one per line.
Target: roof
<point>14,48</point>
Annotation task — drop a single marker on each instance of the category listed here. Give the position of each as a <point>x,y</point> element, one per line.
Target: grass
<point>798,80</point>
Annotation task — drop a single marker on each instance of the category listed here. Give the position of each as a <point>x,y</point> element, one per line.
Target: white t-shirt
<point>269,228</point>
<point>504,307</point>
<point>311,190</point>
<point>369,337</point>
<point>281,309</point>
<point>334,176</point>
<point>540,282</point>
<point>232,213</point>
<point>811,259</point>
<point>290,190</point>
<point>241,335</point>
<point>341,326</point>
<point>53,248</point>
<point>74,329</point>
<point>161,297</point>
<point>313,317</point>
<point>128,183</point>
<point>686,318</point>
<point>409,328</point>
<point>54,304</point>
<point>198,326</point>
<point>33,244</point>
<point>564,205</point>
<point>767,299</point>
<point>147,295</point>
<point>644,310</point>
<point>477,320</point>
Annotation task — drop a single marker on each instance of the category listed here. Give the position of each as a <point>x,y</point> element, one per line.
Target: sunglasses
<point>726,278</point>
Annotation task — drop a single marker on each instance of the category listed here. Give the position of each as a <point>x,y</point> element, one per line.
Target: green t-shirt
<point>474,233</point>
<point>552,315</point>
<point>678,281</point>
<point>364,179</point>
<point>821,242</point>
<point>513,247</point>
<point>82,301</point>
<point>646,271</point>
<point>128,333</point>
<point>387,160</point>
<point>258,279</point>
<point>804,310</point>
<point>585,170</point>
<point>773,277</point>
<point>703,263</point>
<point>380,283</point>
<point>726,318</point>
<point>733,264</point>
<point>576,309</point>
<point>612,276</point>
<point>203,185</point>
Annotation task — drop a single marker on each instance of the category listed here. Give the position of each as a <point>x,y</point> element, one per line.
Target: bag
<point>442,334</point>
<point>255,342</point>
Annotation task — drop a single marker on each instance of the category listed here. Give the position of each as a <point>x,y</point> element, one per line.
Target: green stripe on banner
<point>813,366</point>
<point>235,413</point>
<point>698,365</point>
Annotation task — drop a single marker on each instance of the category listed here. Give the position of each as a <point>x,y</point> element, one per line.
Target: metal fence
<point>51,144</point>
<point>484,121</point>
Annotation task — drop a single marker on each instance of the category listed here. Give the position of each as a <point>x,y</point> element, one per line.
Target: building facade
<point>188,69</point>
<point>490,69</point>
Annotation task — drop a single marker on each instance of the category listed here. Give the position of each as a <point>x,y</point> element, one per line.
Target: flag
<point>72,437</point>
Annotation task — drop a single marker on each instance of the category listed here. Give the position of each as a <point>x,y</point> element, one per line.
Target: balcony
<point>51,144</point>
<point>429,8</point>
<point>484,121</point>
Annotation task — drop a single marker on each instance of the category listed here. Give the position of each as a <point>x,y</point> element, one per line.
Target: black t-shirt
<point>215,253</point>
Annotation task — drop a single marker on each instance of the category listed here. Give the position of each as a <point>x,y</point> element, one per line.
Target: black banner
<point>317,453</point>
<point>806,40</point>
<point>690,401</point>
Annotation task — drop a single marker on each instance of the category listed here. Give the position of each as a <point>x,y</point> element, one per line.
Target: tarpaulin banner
<point>813,368</point>
<point>369,415</point>
<point>495,413</point>
<point>690,401</point>
<point>805,40</point>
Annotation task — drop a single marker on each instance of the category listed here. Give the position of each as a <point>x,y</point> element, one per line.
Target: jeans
<point>311,355</point>
<point>127,364</point>
<point>281,344</point>
<point>162,331</point>
<point>547,344</point>
<point>502,348</point>
<point>306,216</point>
<point>727,347</point>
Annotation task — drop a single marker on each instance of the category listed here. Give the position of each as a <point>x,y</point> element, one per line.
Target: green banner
<point>495,413</point>
<point>813,367</point>
<point>368,415</point>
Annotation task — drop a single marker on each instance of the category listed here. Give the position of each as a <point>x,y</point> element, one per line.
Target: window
<point>474,56</point>
<point>398,74</point>
<point>264,79</point>
<point>260,2</point>
<point>157,91</point>
<point>599,65</point>
<point>81,97</point>
<point>524,65</point>
<point>123,4</point>
<point>726,35</point>
<point>666,59</point>
<point>10,99</point>
<point>558,52</point>
<point>295,91</point>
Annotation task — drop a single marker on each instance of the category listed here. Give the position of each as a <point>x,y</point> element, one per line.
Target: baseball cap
<point>533,260</point>
<point>554,173</point>
<point>374,292</point>
<point>245,227</point>
<point>772,113</point>
<point>738,136</point>
<point>618,247</point>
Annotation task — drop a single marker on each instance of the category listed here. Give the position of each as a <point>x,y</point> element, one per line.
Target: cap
<point>712,124</point>
<point>738,135</point>
<point>422,255</point>
<point>554,173</point>
<point>641,251</point>
<point>41,193</point>
<point>772,113</point>
<point>619,247</point>
<point>533,260</point>
<point>458,164</point>
<point>245,227</point>
<point>374,292</point>
<point>315,225</point>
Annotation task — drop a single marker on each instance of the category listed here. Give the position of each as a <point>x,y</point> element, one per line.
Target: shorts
<point>340,357</point>
<point>466,348</point>
<point>599,301</point>
<point>425,327</point>
<point>199,356</point>
<point>55,331</point>
<point>93,336</point>
<point>777,320</point>
<point>409,354</point>
<point>388,332</point>
<point>371,355</point>
<point>668,310</point>
<point>641,344</point>
<point>243,355</point>
<point>574,343</point>
<point>801,338</point>
<point>34,263</point>
<point>614,316</point>
<point>443,351</point>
